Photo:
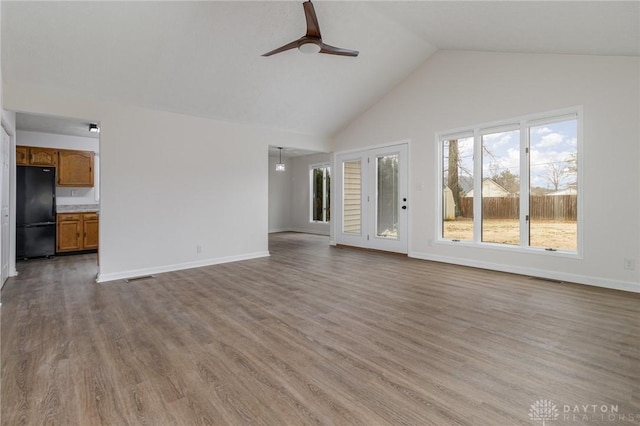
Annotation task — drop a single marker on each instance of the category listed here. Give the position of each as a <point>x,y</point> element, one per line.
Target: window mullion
<point>477,186</point>
<point>311,193</point>
<point>324,194</point>
<point>524,185</point>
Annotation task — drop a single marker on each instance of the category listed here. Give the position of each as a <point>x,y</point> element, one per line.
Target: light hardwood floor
<point>312,335</point>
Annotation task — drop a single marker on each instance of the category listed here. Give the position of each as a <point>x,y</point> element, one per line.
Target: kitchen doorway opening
<point>56,161</point>
<point>299,191</point>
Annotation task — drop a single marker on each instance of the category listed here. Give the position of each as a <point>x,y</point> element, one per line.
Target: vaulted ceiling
<point>204,58</point>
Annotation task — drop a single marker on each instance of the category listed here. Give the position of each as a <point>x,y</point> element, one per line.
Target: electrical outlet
<point>74,192</point>
<point>199,249</point>
<point>629,264</point>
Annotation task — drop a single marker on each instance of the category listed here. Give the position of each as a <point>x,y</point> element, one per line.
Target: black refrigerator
<point>35,212</point>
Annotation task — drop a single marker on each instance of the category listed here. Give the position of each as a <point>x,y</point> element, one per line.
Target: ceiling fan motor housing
<point>309,45</point>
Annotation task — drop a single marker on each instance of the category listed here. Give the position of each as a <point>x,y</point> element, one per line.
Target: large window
<point>320,193</point>
<point>513,183</point>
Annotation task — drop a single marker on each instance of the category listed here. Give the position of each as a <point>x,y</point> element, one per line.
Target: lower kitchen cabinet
<point>90,231</point>
<point>77,232</point>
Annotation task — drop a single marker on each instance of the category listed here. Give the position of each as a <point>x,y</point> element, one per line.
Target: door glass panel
<point>553,192</point>
<point>501,187</point>
<point>352,196</point>
<point>387,197</point>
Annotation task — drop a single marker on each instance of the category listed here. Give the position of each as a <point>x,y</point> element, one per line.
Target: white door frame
<point>367,237</point>
<point>5,206</point>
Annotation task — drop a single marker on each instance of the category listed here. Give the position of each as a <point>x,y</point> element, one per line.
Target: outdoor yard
<point>561,235</point>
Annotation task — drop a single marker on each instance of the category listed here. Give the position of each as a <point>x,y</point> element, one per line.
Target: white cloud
<point>550,140</point>
<point>543,130</point>
<point>540,162</point>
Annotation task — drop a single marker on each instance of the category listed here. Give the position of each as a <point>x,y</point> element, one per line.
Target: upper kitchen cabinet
<point>42,156</point>
<point>75,168</point>
<point>26,155</point>
<point>22,155</point>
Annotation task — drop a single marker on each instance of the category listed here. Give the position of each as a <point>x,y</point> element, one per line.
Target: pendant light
<point>280,165</point>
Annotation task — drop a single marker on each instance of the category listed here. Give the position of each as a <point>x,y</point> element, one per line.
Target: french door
<point>372,198</point>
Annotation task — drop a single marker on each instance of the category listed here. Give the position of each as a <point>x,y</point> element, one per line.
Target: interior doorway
<point>70,148</point>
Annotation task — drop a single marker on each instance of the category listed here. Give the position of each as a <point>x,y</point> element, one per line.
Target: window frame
<point>523,124</point>
<point>326,167</point>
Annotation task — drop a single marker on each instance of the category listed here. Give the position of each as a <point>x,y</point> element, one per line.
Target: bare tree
<point>572,164</point>
<point>556,173</point>
<point>452,179</point>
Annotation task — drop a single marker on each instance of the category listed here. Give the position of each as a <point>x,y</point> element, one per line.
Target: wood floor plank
<point>313,335</point>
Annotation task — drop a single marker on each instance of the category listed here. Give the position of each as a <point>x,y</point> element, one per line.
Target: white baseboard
<point>309,231</point>
<point>101,278</point>
<point>301,230</point>
<point>273,231</point>
<point>534,272</point>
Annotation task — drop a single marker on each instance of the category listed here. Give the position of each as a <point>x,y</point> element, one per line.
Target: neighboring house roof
<point>490,188</point>
<point>466,183</point>
<point>566,191</point>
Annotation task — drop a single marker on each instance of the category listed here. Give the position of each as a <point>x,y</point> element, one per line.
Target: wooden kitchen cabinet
<point>75,168</point>
<point>69,232</point>
<point>43,156</point>
<point>34,156</point>
<point>77,232</point>
<point>22,155</point>
<point>90,231</point>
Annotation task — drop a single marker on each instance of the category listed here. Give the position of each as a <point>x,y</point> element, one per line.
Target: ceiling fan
<point>311,42</point>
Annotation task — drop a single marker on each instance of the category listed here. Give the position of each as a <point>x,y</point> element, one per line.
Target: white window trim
<point>522,123</point>
<point>312,167</point>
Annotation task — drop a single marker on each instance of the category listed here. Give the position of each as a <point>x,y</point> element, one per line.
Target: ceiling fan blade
<point>288,46</point>
<point>331,50</point>
<point>313,28</point>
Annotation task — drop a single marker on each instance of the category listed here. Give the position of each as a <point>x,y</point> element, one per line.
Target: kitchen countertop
<point>77,208</point>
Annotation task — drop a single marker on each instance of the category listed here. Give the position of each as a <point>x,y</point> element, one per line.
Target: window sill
<point>512,249</point>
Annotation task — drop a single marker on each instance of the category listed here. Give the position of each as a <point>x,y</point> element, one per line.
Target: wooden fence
<point>541,207</point>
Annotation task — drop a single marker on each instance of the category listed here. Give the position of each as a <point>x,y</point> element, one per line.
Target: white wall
<point>454,89</point>
<point>50,140</point>
<point>279,195</point>
<point>300,197</point>
<point>171,182</point>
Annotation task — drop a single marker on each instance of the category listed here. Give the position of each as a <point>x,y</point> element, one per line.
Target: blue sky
<point>551,145</point>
